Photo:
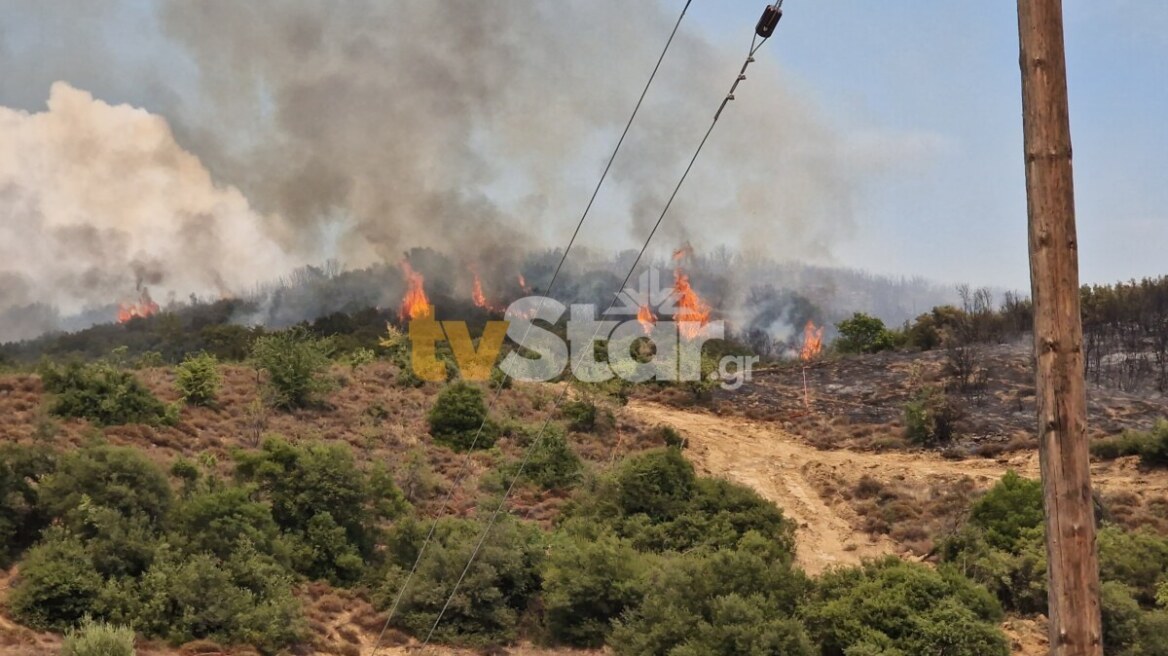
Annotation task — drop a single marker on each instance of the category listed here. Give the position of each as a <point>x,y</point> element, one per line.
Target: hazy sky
<point>923,95</point>
<point>940,80</point>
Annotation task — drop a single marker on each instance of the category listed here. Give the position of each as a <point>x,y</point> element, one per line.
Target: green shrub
<point>1017,578</point>
<point>587,583</point>
<point>331,509</point>
<point>863,334</point>
<point>296,363</point>
<point>1138,559</point>
<point>98,639</point>
<point>657,503</point>
<point>459,418</point>
<point>580,415</point>
<point>1151,446</point>
<point>728,602</point>
<point>658,483</point>
<point>929,417</point>
<point>22,515</point>
<point>553,464</point>
<point>891,606</point>
<point>102,394</point>
<point>497,588</point>
<point>198,380</point>
<point>57,586</point>
<point>245,599</point>
<point>219,521</point>
<point>1010,508</point>
<point>118,478</point>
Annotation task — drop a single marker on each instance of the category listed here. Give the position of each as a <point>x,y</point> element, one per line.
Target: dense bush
<point>98,639</point>
<point>459,418</point>
<point>495,591</point>
<point>580,415</point>
<point>246,599</point>
<point>894,607</point>
<point>657,502</point>
<point>727,602</point>
<point>58,584</point>
<point>330,510</point>
<point>198,380</point>
<point>587,583</point>
<point>1011,508</point>
<point>863,334</point>
<point>929,417</point>
<point>296,363</point>
<point>22,516</point>
<point>117,478</point>
<point>552,464</point>
<point>1151,446</point>
<point>103,394</point>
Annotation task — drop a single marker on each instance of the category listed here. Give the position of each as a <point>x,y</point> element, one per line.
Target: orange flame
<point>686,250</point>
<point>692,312</point>
<point>415,305</point>
<point>523,284</point>
<point>480,300</point>
<point>812,342</point>
<point>647,318</point>
<point>145,307</point>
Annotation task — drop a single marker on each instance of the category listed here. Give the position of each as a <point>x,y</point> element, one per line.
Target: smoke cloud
<point>98,201</point>
<point>306,130</point>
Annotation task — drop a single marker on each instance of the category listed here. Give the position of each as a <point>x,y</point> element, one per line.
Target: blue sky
<point>935,83</point>
<point>947,73</point>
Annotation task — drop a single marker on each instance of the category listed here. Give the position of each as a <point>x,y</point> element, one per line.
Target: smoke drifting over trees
<point>304,131</point>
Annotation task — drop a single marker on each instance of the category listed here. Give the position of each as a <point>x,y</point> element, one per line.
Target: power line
<point>547,292</point>
<point>755,44</point>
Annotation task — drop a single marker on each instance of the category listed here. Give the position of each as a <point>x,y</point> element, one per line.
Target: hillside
<point>838,467</point>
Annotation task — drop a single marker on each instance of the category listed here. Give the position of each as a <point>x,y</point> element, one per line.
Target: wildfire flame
<point>692,312</point>
<point>415,305</point>
<point>480,300</point>
<point>812,342</point>
<point>523,284</point>
<point>143,308</point>
<point>647,318</point>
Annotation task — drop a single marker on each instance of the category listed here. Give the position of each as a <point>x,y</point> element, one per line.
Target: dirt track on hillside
<point>783,468</point>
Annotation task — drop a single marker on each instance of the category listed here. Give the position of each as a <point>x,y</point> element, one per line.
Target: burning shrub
<point>198,380</point>
<point>459,418</point>
<point>103,394</point>
<point>296,362</point>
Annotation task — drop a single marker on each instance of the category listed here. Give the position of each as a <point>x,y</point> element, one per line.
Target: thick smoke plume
<point>99,201</point>
<point>359,130</point>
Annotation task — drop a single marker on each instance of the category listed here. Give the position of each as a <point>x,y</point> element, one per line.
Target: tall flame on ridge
<point>812,342</point>
<point>145,307</point>
<point>647,318</point>
<point>414,305</point>
<point>692,312</point>
<point>480,300</point>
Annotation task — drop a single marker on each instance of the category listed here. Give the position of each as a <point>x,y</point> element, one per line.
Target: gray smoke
<point>357,130</point>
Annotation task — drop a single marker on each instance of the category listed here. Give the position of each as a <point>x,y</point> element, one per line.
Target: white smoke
<point>97,200</point>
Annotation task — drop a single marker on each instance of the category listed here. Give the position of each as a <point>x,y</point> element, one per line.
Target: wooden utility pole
<point>1075,627</point>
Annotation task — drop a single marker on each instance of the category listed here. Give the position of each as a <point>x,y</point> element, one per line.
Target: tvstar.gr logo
<point>639,349</point>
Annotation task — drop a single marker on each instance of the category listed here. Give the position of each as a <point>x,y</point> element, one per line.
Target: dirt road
<point>782,467</point>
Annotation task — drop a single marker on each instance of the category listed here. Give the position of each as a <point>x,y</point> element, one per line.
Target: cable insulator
<point>768,22</point>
